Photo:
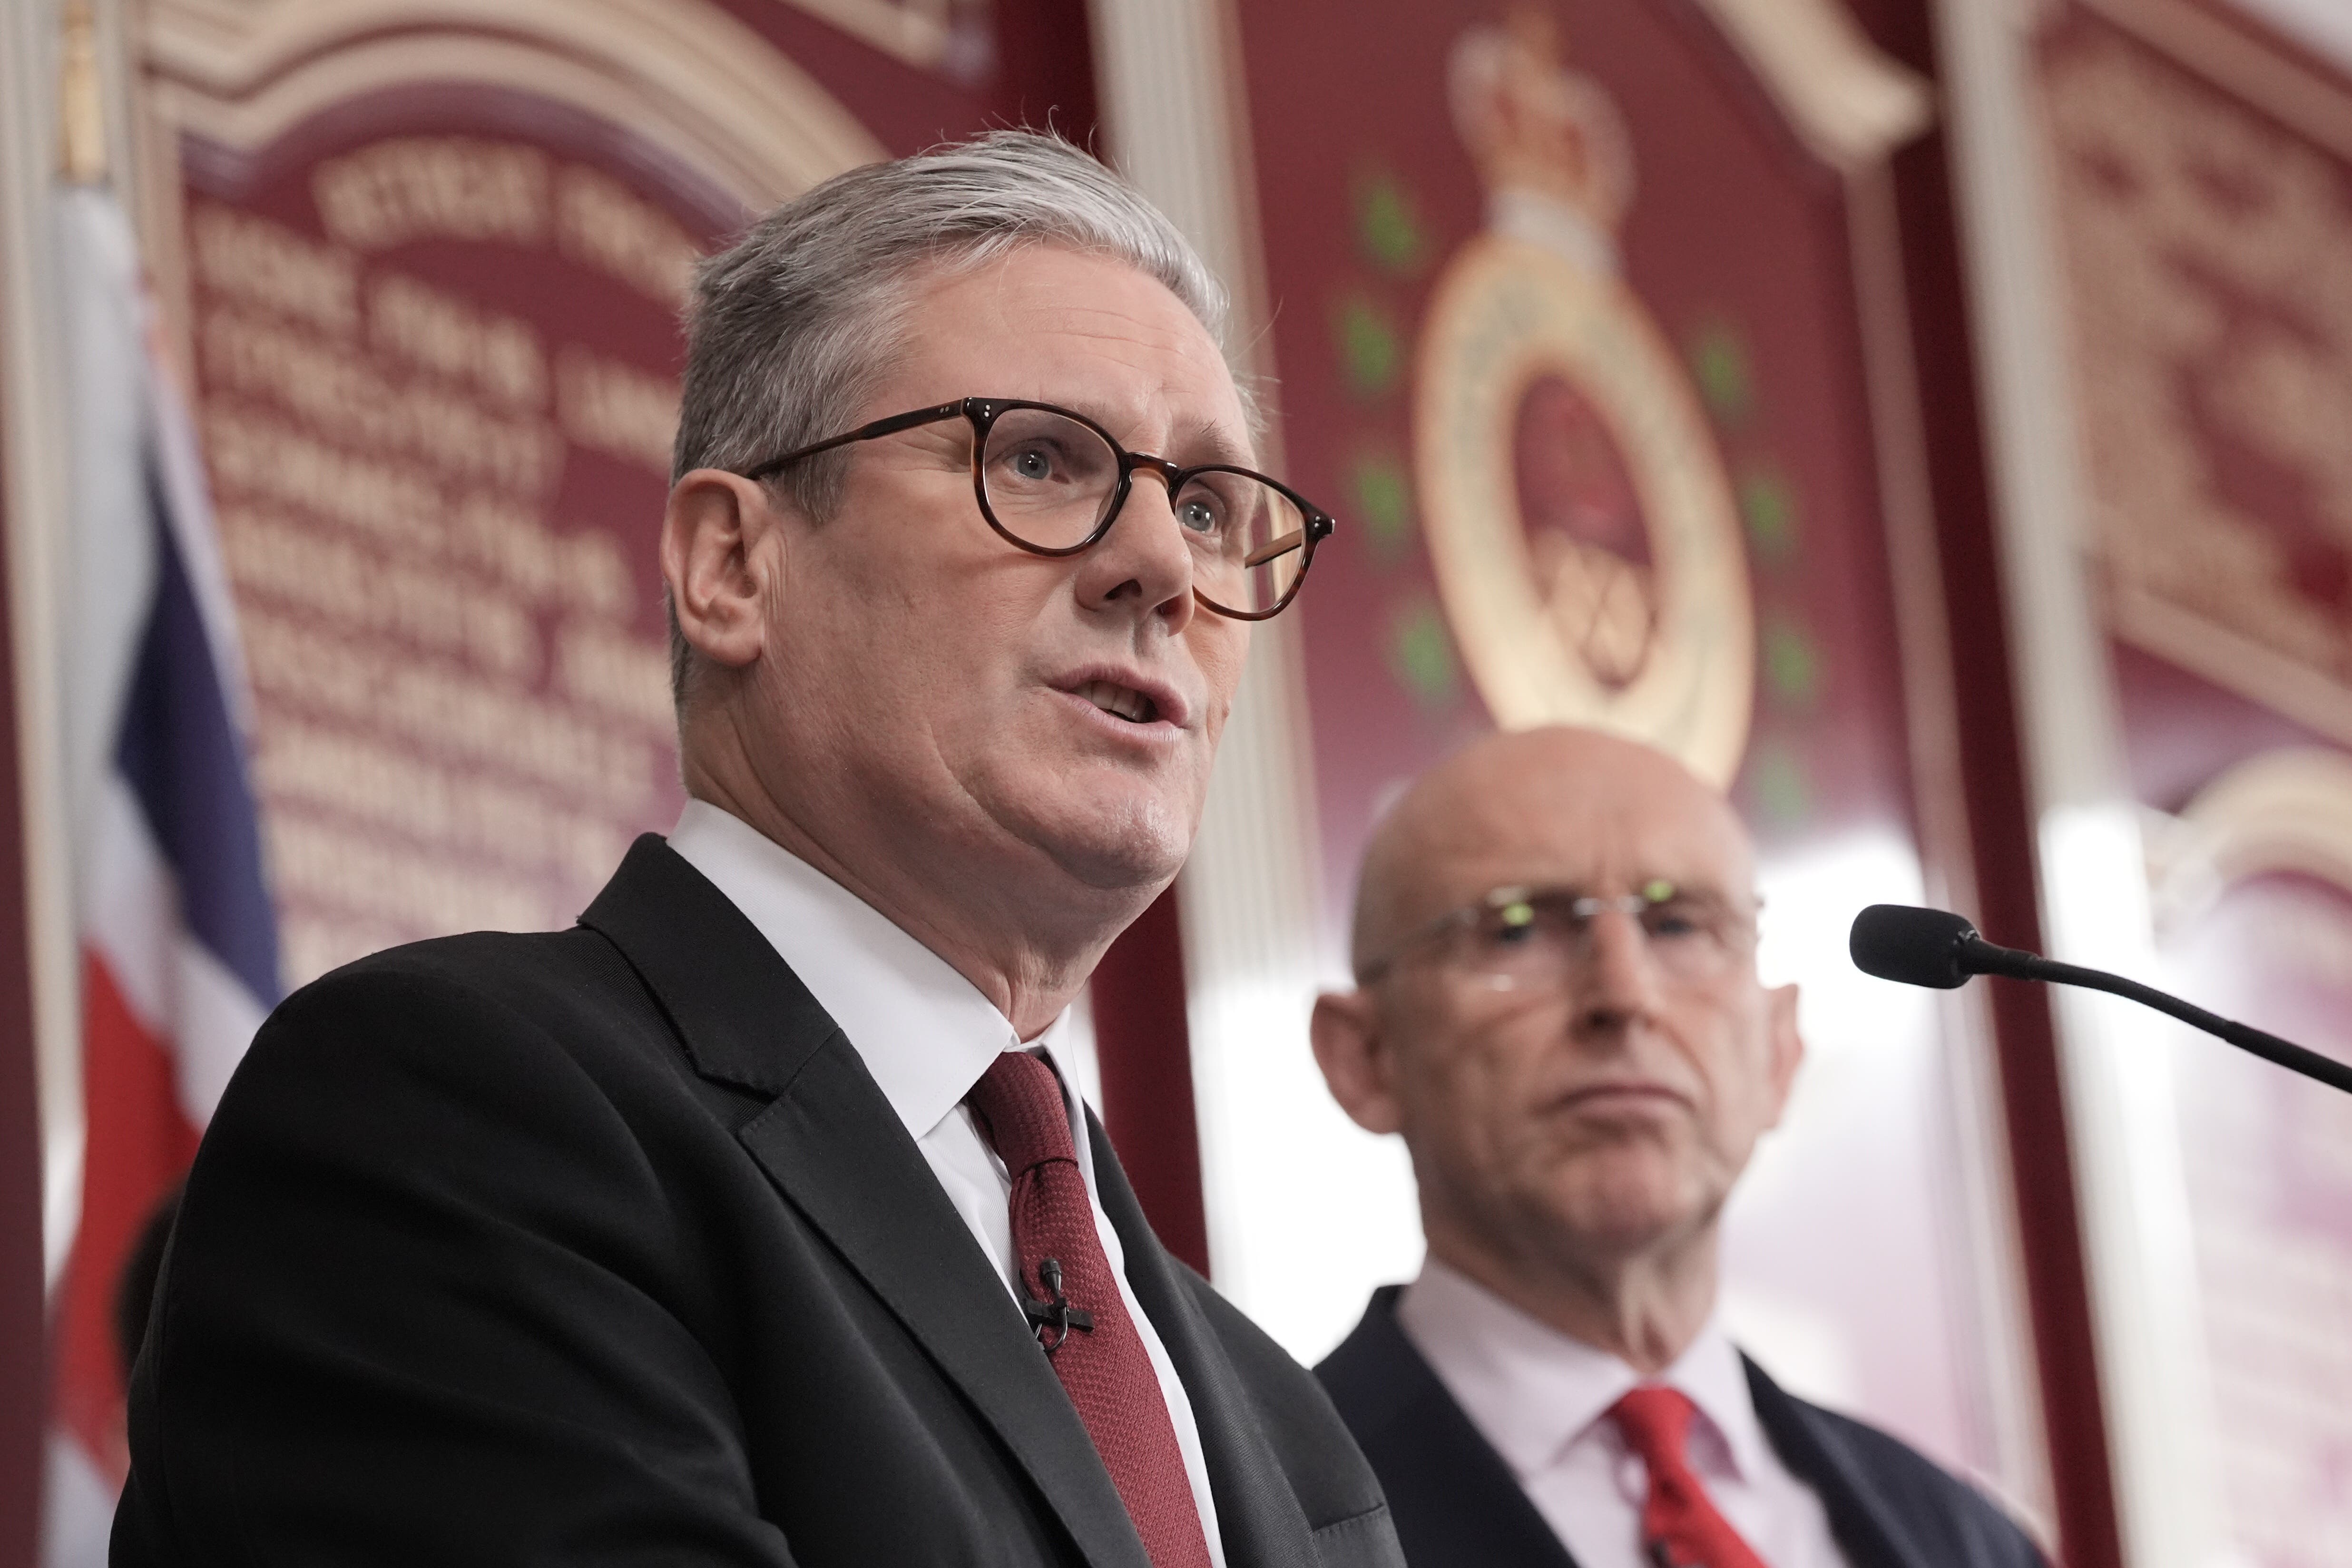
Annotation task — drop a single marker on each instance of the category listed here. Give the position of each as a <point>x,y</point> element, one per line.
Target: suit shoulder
<point>1925,1496</point>
<point>473,1009</point>
<point>1363,1378</point>
<point>1327,1473</point>
<point>489,964</point>
<point>1272,1374</point>
<point>1383,1388</point>
<point>1887,1459</point>
<point>482,979</point>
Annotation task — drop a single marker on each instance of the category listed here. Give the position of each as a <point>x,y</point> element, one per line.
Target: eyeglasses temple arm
<point>1283,546</point>
<point>1378,966</point>
<point>890,426</point>
<point>1318,527</point>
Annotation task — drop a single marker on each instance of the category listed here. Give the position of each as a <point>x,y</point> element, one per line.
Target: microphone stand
<point>1985,958</point>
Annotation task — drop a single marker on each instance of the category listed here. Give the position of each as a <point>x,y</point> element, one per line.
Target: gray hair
<point>790,327</point>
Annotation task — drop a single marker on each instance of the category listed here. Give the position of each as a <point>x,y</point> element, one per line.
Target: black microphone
<point>1934,947</point>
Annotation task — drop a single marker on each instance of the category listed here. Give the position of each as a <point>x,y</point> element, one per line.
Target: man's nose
<point>1620,979</point>
<point>1144,560</point>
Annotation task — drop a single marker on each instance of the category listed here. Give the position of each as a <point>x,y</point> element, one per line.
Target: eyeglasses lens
<point>1050,480</point>
<point>1249,539</point>
<point>1541,942</point>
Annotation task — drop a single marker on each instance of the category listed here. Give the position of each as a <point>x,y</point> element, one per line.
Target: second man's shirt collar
<point>1533,1391</point>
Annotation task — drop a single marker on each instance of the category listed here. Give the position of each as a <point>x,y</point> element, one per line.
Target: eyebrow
<point>1210,441</point>
<point>1204,441</point>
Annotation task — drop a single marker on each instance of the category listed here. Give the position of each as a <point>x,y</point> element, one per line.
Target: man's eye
<point>1669,923</point>
<point>1200,515</point>
<point>1033,464</point>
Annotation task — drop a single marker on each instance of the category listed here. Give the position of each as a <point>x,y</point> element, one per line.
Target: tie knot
<point>1018,1103</point>
<point>1656,1421</point>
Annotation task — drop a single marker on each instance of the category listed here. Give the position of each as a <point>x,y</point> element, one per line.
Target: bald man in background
<point>1557,1007</point>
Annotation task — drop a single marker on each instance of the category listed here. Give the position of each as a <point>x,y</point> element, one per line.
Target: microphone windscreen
<point>1915,946</point>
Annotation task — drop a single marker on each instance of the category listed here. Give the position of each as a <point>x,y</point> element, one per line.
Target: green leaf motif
<point>1792,665</point>
<point>1780,784</point>
<point>1371,349</point>
<point>1719,363</point>
<point>1388,230</point>
<point>1768,507</point>
<point>1421,654</point>
<point>1383,497</point>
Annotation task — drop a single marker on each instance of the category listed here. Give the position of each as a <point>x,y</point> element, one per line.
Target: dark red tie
<point>1074,1307</point>
<point>1680,1528</point>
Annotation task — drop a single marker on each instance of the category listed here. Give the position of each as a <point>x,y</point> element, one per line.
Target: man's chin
<point>1130,841</point>
<point>1623,1211</point>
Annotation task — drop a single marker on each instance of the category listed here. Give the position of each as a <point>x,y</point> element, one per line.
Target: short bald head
<point>1553,805</point>
<point>1580,1068</point>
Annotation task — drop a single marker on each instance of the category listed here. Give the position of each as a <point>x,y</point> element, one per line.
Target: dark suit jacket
<point>602,1246</point>
<point>1456,1502</point>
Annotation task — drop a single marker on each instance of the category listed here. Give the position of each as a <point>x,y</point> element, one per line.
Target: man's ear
<point>1784,1044</point>
<point>711,532</point>
<point>1345,1031</point>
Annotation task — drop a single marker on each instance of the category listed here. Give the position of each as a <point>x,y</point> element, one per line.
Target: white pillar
<point>1305,1212</point>
<point>2094,883</point>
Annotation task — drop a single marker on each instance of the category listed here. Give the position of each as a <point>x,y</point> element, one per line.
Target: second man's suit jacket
<point>602,1247</point>
<point>1457,1504</point>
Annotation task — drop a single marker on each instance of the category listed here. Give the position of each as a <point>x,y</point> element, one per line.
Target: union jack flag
<point>178,942</point>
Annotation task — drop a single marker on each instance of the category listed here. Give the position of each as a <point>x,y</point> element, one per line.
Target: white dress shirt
<point>1540,1397</point>
<point>926,1033</point>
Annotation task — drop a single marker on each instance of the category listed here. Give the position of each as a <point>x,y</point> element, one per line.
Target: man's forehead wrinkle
<point>1018,299</point>
<point>1113,329</point>
<point>1212,441</point>
<point>1155,368</point>
<point>1147,350</point>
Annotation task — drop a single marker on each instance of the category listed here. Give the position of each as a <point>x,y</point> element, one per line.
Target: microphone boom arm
<point>2269,1048</point>
<point>1939,949</point>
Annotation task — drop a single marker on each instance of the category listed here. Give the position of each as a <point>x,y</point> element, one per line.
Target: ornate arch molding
<point>1852,104</point>
<point>2284,810</point>
<point>687,78</point>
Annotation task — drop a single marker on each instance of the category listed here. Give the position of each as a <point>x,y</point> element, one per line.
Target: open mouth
<point>1119,702</point>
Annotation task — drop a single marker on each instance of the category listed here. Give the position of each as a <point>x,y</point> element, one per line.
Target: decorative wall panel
<point>2203,200</point>
<point>1576,341</point>
<point>426,262</point>
<point>431,300</point>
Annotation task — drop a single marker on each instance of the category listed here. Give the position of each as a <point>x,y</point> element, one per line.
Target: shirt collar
<point>1533,1391</point>
<point>925,1032</point>
<point>1712,1375</point>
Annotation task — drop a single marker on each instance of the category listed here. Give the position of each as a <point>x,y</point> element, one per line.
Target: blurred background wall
<point>1932,421</point>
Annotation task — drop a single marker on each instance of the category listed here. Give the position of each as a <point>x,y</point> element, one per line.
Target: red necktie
<point>1076,1308</point>
<point>1680,1528</point>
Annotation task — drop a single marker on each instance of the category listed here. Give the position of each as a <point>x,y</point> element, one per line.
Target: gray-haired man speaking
<point>752,1221</point>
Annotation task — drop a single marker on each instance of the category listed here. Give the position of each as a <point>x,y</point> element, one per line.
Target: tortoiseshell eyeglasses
<point>1052,482</point>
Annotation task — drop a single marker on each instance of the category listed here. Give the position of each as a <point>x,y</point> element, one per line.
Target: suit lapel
<point>1453,1497</point>
<point>831,1141</point>
<point>1258,1517</point>
<point>834,1146</point>
<point>1866,1530</point>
